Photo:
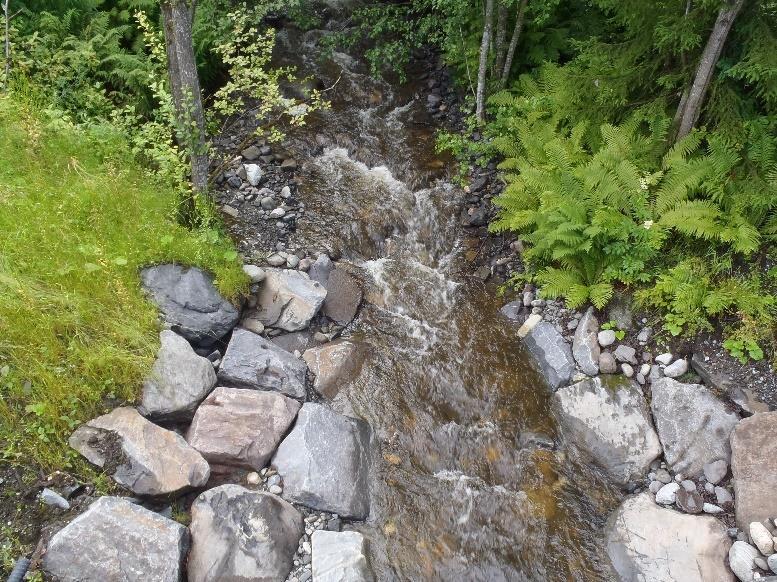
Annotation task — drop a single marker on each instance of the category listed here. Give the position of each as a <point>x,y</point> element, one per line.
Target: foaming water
<point>447,387</point>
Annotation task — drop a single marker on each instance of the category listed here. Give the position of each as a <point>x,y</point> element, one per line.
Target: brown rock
<point>343,297</point>
<point>139,455</point>
<point>689,501</point>
<point>607,363</point>
<point>333,365</point>
<point>754,468</point>
<point>241,427</point>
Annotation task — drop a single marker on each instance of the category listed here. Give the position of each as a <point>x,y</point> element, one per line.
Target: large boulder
<point>324,462</point>
<point>646,542</point>
<point>241,427</point>
<point>693,425</point>
<point>119,541</point>
<point>190,302</point>
<point>549,350</point>
<point>239,534</point>
<point>179,381</point>
<point>344,295</point>
<point>608,420</point>
<point>333,365</point>
<point>585,346</point>
<point>339,557</point>
<point>288,299</point>
<point>754,468</point>
<point>252,361</point>
<point>139,455</point>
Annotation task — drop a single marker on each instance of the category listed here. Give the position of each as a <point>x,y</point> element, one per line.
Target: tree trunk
<point>480,97</point>
<point>519,20</point>
<point>691,108</point>
<point>178,16</point>
<point>501,35</point>
<point>7,43</point>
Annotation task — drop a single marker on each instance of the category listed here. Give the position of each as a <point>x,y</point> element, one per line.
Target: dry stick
<point>519,20</point>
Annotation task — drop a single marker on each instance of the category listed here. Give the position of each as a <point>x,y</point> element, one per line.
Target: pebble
<point>677,369</point>
<point>655,486</point>
<point>663,476</point>
<point>644,369</point>
<point>253,478</point>
<point>723,496</point>
<point>572,324</point>
<point>667,495</point>
<point>709,488</point>
<point>688,485</point>
<point>274,480</point>
<point>664,359</point>
<point>285,192</point>
<point>771,561</point>
<point>275,489</point>
<point>51,497</point>
<point>624,353</point>
<point>712,508</point>
<point>628,371</point>
<point>762,538</point>
<point>607,364</point>
<point>761,563</point>
<point>305,264</point>
<point>644,335</point>
<point>276,260</point>
<point>606,337</point>
<point>689,501</point>
<point>278,213</point>
<point>230,211</point>
<point>715,471</point>
<point>292,261</point>
<point>267,203</point>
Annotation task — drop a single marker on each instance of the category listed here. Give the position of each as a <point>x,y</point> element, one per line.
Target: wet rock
<point>606,337</point>
<point>550,352</point>
<point>676,369</point>
<point>741,559</point>
<point>238,534</point>
<point>689,501</point>
<point>607,363</point>
<point>693,425</point>
<point>754,468</point>
<point>117,540</point>
<point>715,471</point>
<point>624,353</point>
<point>289,299</point>
<point>252,361</point>
<point>139,455</point>
<point>179,381</point>
<point>241,427</point>
<point>340,557</point>
<point>513,311</point>
<point>296,341</point>
<point>190,302</point>
<point>608,420</point>
<point>333,365</point>
<point>667,495</point>
<point>324,462</point>
<point>585,346</point>
<point>343,297</point>
<point>651,543</point>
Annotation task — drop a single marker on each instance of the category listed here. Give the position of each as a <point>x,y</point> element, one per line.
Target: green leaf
<point>121,261</point>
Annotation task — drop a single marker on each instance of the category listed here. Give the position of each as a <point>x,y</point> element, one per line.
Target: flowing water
<point>446,387</point>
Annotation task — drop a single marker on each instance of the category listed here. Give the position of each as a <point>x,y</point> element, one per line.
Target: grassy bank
<point>77,220</point>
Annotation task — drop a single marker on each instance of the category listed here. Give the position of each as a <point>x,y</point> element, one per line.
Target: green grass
<point>78,219</point>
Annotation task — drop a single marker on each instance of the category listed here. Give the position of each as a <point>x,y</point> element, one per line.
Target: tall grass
<point>78,219</point>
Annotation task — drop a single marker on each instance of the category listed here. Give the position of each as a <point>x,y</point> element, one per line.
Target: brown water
<point>447,387</point>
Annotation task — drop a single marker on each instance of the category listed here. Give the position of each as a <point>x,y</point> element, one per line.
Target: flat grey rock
<point>240,427</point>
<point>242,535</point>
<point>647,543</point>
<point>179,381</point>
<point>693,425</point>
<point>343,297</point>
<point>551,353</point>
<point>139,455</point>
<point>626,354</point>
<point>324,462</point>
<point>608,420</point>
<point>252,361</point>
<point>339,557</point>
<point>754,468</point>
<point>288,299</point>
<point>190,302</point>
<point>118,541</point>
<point>585,346</point>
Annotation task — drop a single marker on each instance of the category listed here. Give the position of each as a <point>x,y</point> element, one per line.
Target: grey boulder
<point>693,425</point>
<point>239,427</point>
<point>585,346</point>
<point>119,541</point>
<point>288,299</point>
<point>190,302</point>
<point>646,542</point>
<point>333,365</point>
<point>324,462</point>
<point>754,468</point>
<point>179,381</point>
<point>252,361</point>
<point>549,350</point>
<point>242,535</point>
<point>339,557</point>
<point>343,297</point>
<point>139,455</point>
<point>608,420</point>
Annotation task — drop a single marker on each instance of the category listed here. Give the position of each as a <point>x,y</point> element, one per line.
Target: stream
<point>457,494</point>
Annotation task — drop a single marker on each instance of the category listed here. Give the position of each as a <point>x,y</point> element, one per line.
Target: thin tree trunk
<point>480,98</point>
<point>691,109</point>
<point>187,98</point>
<point>519,20</point>
<point>7,43</point>
<point>501,35</point>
